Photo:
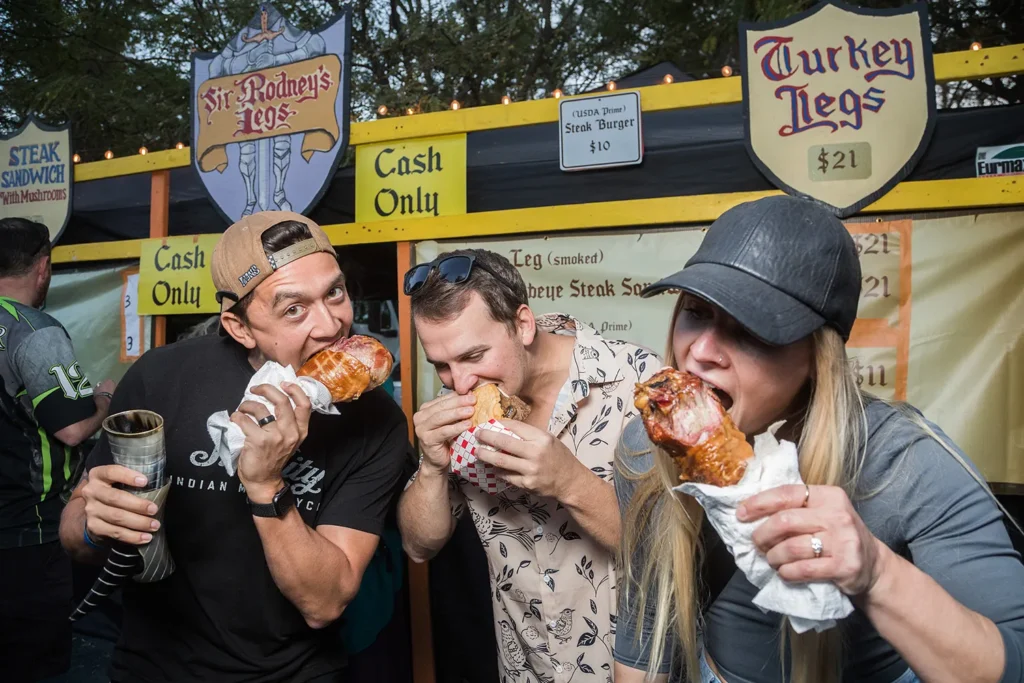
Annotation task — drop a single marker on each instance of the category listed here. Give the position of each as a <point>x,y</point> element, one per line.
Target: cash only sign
<point>839,101</point>
<point>174,276</point>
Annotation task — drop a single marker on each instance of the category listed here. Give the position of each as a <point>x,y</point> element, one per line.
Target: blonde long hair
<point>831,448</point>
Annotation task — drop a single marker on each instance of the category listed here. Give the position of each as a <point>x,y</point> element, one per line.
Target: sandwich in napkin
<point>492,405</point>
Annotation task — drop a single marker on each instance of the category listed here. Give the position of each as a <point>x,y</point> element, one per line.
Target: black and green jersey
<point>42,390</point>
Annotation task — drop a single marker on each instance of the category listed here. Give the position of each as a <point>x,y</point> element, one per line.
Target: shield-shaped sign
<point>270,114</point>
<point>36,175</point>
<point>839,101</point>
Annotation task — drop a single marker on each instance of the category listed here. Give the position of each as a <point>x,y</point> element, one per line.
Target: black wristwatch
<point>283,499</point>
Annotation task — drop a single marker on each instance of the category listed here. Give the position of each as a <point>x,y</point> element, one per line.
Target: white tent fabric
<point>88,303</point>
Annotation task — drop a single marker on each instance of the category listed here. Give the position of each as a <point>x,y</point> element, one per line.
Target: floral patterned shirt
<point>554,586</point>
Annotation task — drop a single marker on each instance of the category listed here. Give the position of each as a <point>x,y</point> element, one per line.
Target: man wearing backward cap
<point>266,562</point>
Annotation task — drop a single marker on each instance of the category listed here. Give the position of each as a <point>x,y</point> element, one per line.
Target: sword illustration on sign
<point>270,114</point>
<point>839,101</point>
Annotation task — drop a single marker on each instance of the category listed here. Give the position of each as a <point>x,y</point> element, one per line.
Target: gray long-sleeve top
<point>929,510</point>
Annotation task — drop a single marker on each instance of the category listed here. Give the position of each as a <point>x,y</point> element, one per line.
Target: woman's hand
<point>851,557</point>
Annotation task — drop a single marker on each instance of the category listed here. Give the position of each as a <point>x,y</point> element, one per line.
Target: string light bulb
<point>668,79</point>
<point>456,105</point>
<point>382,110</point>
<point>180,145</point>
<point>108,154</point>
<point>143,150</point>
<point>76,158</point>
<point>612,85</point>
<point>727,71</point>
<point>505,99</point>
<point>557,93</point>
<point>410,111</point>
<point>975,46</point>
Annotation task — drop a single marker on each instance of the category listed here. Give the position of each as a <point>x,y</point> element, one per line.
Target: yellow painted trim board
<point>949,66</point>
<point>970,64</point>
<point>137,163</point>
<point>924,195</point>
<point>97,251</point>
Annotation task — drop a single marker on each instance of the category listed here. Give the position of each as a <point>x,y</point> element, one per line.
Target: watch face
<point>283,499</point>
<point>277,507</point>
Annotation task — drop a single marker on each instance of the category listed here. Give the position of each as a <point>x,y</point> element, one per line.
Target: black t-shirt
<point>220,616</point>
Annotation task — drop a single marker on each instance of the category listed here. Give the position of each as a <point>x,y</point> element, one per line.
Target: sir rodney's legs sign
<point>270,114</point>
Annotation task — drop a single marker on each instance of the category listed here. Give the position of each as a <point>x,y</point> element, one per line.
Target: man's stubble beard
<point>40,301</point>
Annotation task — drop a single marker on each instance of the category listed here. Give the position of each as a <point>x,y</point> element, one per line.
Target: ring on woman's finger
<point>807,495</point>
<point>816,546</point>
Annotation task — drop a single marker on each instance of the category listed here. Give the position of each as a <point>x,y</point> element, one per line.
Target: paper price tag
<point>600,131</point>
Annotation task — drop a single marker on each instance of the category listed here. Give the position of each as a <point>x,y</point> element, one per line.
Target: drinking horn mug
<point>136,439</point>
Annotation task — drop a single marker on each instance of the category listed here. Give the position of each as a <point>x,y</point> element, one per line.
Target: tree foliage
<point>119,69</point>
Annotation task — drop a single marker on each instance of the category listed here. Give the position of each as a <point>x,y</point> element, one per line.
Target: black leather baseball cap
<point>781,266</point>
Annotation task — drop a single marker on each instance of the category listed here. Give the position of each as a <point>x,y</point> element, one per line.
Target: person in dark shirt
<point>47,408</point>
<point>267,560</point>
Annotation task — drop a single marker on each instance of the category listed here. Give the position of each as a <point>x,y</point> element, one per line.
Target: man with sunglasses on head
<point>550,538</point>
<point>267,560</point>
<point>47,408</point>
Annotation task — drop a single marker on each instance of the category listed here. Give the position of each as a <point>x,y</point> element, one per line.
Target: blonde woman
<point>893,514</point>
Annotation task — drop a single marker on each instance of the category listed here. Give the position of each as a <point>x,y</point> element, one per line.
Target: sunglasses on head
<point>452,269</point>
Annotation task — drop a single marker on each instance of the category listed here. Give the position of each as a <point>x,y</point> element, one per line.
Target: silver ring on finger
<point>264,421</point>
<point>817,546</point>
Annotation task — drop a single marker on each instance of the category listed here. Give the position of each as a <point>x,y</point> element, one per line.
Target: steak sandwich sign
<point>36,175</point>
<point>839,102</point>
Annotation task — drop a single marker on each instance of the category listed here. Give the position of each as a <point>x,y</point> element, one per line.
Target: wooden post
<point>159,211</point>
<point>419,584</point>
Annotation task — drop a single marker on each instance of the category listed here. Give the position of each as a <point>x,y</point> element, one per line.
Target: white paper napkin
<point>809,605</point>
<point>228,438</point>
<point>464,461</point>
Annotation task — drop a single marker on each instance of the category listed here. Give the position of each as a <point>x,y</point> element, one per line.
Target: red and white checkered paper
<point>465,464</point>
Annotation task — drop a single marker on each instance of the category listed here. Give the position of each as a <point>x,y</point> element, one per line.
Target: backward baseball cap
<point>240,263</point>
